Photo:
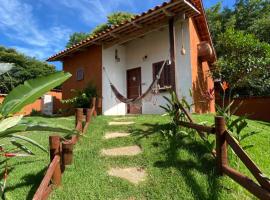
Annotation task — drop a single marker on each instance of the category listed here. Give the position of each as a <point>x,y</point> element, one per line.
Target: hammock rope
<point>150,89</point>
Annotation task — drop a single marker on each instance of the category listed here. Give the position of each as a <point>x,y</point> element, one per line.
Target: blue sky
<point>40,28</point>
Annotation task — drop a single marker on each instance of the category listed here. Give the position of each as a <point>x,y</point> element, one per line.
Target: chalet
<point>133,51</point>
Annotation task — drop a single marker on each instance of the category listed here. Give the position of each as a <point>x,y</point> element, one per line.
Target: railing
<point>223,138</point>
<point>61,152</point>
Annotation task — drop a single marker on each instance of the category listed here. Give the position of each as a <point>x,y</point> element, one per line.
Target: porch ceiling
<point>140,25</point>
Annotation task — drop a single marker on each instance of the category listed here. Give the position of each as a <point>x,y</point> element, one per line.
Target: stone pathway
<point>120,123</point>
<point>122,151</point>
<point>123,118</point>
<point>116,135</point>
<point>132,174</point>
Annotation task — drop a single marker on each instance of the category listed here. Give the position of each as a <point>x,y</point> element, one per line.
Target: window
<point>80,74</point>
<point>166,77</point>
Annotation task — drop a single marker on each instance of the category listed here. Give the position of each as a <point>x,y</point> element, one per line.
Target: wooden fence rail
<point>198,127</point>
<point>223,138</point>
<point>61,152</point>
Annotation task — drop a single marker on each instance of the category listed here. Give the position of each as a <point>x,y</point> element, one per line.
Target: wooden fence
<point>61,152</point>
<point>223,139</point>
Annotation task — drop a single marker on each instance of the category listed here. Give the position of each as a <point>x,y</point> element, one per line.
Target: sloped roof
<point>143,23</point>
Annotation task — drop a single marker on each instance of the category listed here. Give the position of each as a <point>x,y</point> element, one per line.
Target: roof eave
<point>100,36</point>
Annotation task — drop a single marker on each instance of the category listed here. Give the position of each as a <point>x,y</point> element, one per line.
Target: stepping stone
<point>115,135</point>
<point>123,118</point>
<point>134,175</point>
<point>120,123</point>
<point>122,151</point>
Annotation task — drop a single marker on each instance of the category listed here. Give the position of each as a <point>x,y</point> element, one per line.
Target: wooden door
<point>134,89</point>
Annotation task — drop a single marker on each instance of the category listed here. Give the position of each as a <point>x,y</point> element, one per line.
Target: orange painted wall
<point>201,81</point>
<point>37,105</point>
<point>91,61</point>
<point>256,108</point>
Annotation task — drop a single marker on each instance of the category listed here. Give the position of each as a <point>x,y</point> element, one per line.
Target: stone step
<point>120,123</point>
<point>134,175</point>
<point>123,118</point>
<point>115,135</point>
<point>122,151</point>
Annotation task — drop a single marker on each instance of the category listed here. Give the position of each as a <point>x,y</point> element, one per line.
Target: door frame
<point>128,70</point>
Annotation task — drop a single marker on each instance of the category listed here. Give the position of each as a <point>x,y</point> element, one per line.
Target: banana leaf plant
<point>11,124</point>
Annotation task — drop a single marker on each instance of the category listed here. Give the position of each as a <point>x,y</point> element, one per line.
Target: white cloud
<point>18,23</point>
<point>92,11</point>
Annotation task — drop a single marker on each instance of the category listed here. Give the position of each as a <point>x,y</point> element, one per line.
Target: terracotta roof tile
<point>196,3</point>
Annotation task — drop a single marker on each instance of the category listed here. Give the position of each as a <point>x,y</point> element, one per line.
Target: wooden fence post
<point>79,118</point>
<point>99,106</point>
<point>94,106</point>
<point>55,149</point>
<point>88,115</point>
<point>221,144</point>
<point>67,153</point>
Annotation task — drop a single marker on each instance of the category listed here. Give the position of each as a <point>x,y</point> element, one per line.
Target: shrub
<point>83,98</point>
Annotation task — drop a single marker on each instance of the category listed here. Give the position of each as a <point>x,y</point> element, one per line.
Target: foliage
<point>76,38</point>
<point>119,17</point>
<point>83,97</point>
<point>236,125</point>
<point>241,38</point>
<point>35,113</point>
<point>113,19</point>
<point>25,68</point>
<point>11,125</point>
<point>244,63</point>
<point>174,109</point>
<point>100,28</point>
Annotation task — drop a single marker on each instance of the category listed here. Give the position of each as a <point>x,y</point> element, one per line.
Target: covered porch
<point>133,60</point>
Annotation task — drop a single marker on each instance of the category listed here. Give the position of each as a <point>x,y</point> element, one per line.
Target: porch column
<point>172,50</point>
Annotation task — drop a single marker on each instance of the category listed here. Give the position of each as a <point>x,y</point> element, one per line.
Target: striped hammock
<point>153,89</point>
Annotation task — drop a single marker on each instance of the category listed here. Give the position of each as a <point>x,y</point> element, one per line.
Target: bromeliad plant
<point>11,125</point>
<point>236,125</point>
<point>174,109</point>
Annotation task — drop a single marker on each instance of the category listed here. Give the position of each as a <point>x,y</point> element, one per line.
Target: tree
<point>119,17</point>
<point>25,68</point>
<point>112,20</point>
<point>253,16</point>
<point>244,63</point>
<point>76,38</point>
<point>241,39</point>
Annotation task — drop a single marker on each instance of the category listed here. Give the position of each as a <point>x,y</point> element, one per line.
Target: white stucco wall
<point>183,69</point>
<point>117,74</point>
<point>155,46</point>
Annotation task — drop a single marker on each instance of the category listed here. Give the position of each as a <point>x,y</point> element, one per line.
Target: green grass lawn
<point>176,170</point>
<point>26,173</point>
